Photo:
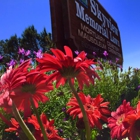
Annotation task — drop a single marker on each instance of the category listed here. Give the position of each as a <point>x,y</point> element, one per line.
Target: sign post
<point>85,25</point>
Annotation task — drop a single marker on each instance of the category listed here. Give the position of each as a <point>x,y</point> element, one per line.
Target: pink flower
<point>116,120</point>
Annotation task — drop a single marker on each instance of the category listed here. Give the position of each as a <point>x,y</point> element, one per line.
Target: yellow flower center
<point>120,119</point>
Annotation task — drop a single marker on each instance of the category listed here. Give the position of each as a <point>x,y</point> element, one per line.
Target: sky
<point>16,15</point>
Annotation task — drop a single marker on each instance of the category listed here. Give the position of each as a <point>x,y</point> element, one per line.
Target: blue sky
<point>16,15</point>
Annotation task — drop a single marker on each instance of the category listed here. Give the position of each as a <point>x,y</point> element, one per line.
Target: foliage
<point>115,85</point>
<point>56,109</point>
<point>29,40</point>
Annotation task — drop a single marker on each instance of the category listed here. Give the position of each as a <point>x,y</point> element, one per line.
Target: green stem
<point>82,134</point>
<point>22,136</point>
<point>22,124</point>
<point>39,120</point>
<point>138,138</point>
<point>88,134</point>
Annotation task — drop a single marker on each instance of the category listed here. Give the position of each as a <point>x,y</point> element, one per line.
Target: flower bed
<point>60,97</point>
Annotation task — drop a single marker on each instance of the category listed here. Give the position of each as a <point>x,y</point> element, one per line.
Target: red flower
<point>5,100</point>
<point>34,127</point>
<point>64,67</point>
<point>132,124</point>
<point>11,79</point>
<point>94,108</point>
<point>117,118</point>
<point>35,87</point>
<point>51,132</point>
<point>14,127</point>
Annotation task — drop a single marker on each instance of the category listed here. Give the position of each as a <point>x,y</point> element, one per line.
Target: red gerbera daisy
<point>117,118</point>
<point>94,108</point>
<point>5,100</point>
<point>132,124</point>
<point>14,127</point>
<point>52,133</point>
<point>14,77</point>
<point>64,67</point>
<point>32,123</point>
<point>11,79</point>
<point>35,87</point>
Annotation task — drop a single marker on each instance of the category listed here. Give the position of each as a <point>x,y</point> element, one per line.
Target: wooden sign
<point>85,25</point>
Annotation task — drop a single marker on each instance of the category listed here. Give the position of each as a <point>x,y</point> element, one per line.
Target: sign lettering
<point>85,25</point>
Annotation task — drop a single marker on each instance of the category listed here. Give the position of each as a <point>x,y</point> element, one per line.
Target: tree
<point>9,49</point>
<point>12,46</point>
<point>30,39</point>
<point>46,41</point>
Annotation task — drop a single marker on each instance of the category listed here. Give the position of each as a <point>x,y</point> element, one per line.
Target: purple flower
<point>28,52</point>
<point>94,53</point>
<point>117,59</point>
<point>21,51</point>
<point>60,130</point>
<point>1,57</point>
<point>105,53</point>
<point>38,54</point>
<point>63,109</point>
<point>21,60</point>
<point>138,87</point>
<point>11,63</point>
<point>76,52</point>
<point>65,119</point>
